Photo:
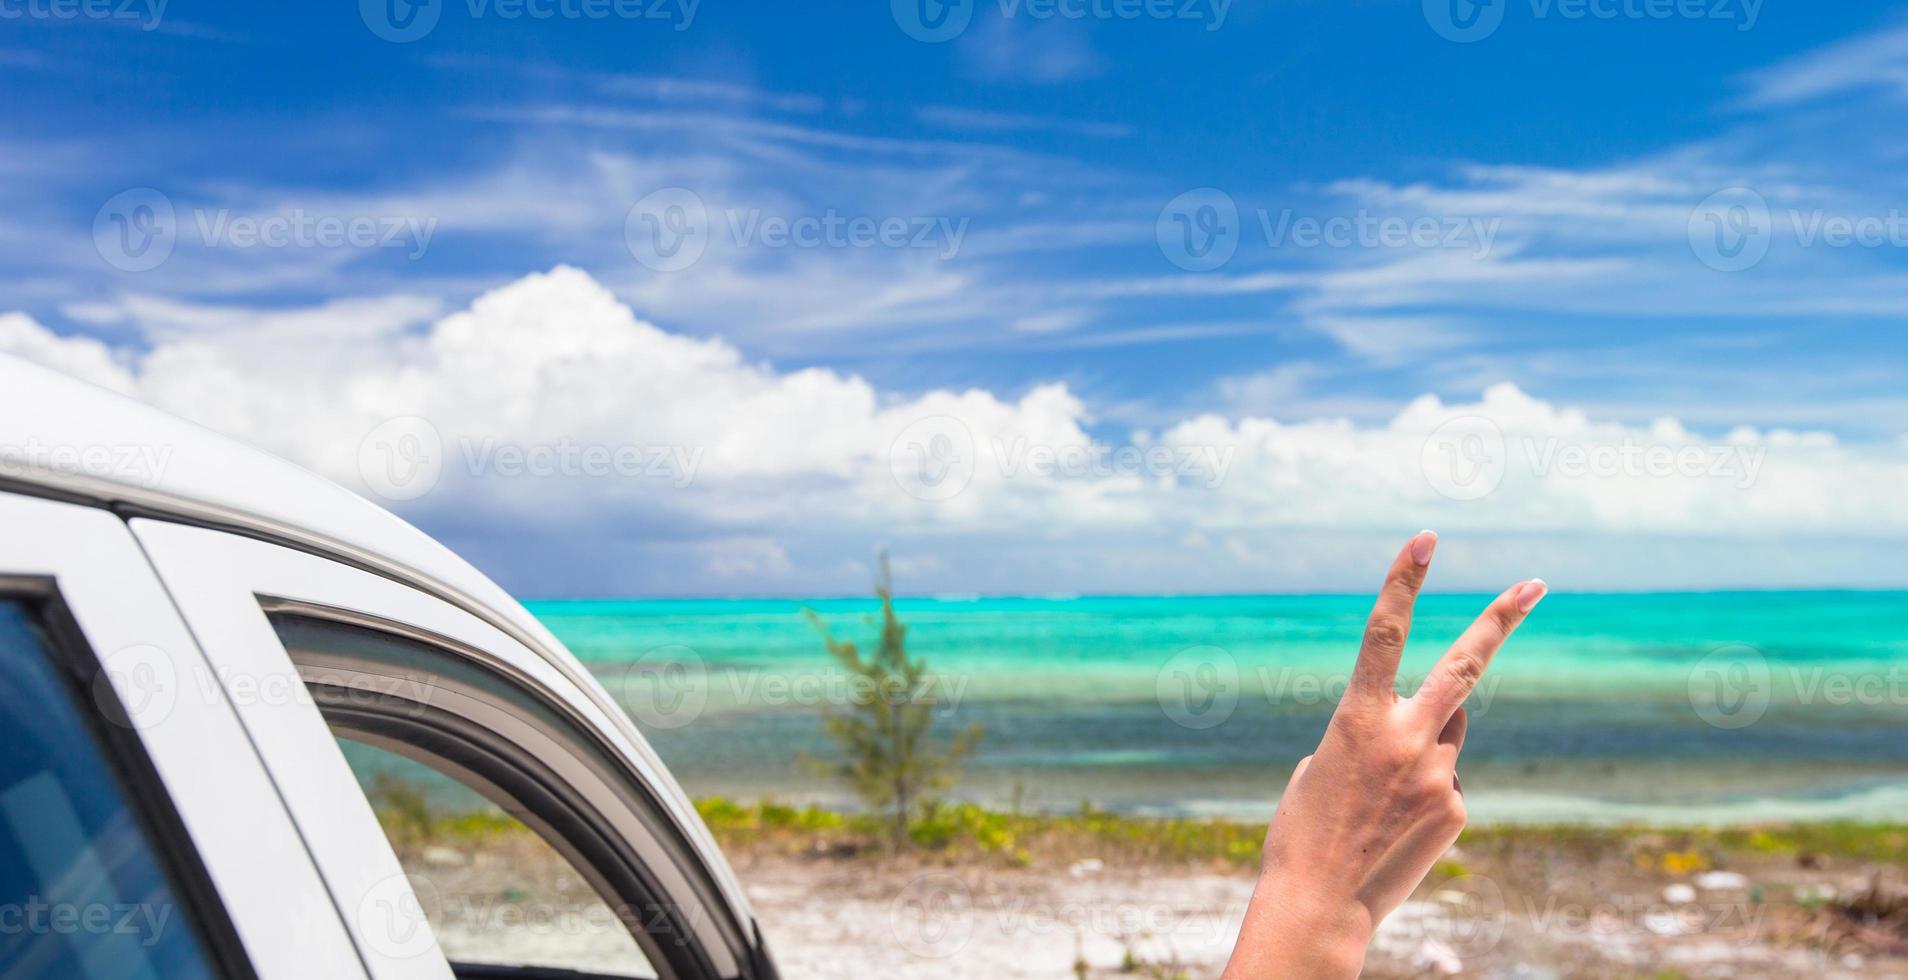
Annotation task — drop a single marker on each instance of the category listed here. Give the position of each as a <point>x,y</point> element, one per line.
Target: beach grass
<point>966,831</point>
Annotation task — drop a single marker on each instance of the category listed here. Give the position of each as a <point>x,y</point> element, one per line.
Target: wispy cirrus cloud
<point>975,120</point>
<point>1871,62</point>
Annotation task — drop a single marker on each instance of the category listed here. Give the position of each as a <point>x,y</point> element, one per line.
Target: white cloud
<point>956,117</point>
<point>1026,49</point>
<point>82,357</point>
<point>1869,61</point>
<point>763,467</point>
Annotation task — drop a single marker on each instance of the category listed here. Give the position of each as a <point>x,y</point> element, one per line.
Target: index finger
<point>1390,622</point>
<point>1458,672</point>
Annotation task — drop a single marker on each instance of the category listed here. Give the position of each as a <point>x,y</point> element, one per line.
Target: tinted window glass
<point>82,891</point>
<point>493,891</point>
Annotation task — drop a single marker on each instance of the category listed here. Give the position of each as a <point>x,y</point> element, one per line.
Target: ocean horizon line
<point>952,597</point>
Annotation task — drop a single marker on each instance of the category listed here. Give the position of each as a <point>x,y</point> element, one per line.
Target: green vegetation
<point>889,754</point>
<point>410,821</point>
<point>966,830</point>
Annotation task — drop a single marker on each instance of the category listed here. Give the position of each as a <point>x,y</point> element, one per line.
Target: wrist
<point>1291,930</point>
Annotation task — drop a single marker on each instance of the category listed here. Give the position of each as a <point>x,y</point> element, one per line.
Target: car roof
<point>50,422</point>
<point>77,439</point>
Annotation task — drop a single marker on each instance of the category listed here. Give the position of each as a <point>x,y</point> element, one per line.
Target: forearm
<point>1292,933</point>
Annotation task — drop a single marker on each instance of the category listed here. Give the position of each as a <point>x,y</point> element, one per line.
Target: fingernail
<point>1422,546</point>
<point>1530,593</point>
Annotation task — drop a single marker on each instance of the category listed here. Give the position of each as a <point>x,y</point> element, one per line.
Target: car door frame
<point>154,681</point>
<point>226,583</point>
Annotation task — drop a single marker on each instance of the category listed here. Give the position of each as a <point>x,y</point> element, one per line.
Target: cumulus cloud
<point>554,408</point>
<point>82,357</point>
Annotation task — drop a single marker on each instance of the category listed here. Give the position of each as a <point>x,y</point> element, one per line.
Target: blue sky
<point>1042,164</point>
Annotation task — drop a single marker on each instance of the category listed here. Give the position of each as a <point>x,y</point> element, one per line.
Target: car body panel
<point>63,438</point>
<point>254,855</point>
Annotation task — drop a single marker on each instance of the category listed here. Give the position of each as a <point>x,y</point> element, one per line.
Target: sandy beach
<point>839,924</point>
<point>1526,903</point>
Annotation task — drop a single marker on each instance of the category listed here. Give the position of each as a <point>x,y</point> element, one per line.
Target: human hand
<point>1365,816</point>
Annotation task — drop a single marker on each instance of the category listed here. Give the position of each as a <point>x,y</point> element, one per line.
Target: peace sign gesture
<point>1363,818</point>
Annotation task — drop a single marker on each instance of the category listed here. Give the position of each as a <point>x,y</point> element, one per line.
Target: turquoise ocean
<point>1666,708</point>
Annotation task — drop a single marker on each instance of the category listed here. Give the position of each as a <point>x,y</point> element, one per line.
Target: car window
<point>494,892</point>
<point>83,891</point>
<point>508,881</point>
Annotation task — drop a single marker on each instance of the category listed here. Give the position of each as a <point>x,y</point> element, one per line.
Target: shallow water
<point>1661,707</point>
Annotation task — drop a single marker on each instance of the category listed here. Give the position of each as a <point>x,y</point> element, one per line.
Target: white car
<point>194,635</point>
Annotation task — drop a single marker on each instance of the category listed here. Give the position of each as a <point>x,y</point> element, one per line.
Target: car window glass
<point>495,893</point>
<point>83,893</point>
